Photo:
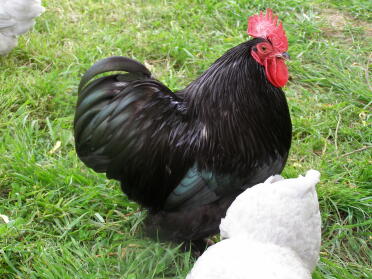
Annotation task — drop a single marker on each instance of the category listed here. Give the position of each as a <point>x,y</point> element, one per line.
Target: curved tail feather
<point>114,63</point>
<point>125,126</point>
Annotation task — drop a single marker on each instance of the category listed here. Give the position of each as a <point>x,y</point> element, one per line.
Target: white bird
<point>16,18</point>
<point>271,230</point>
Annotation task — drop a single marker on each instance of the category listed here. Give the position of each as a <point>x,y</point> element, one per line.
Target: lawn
<point>68,222</point>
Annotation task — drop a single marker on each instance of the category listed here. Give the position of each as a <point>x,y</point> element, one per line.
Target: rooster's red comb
<point>266,26</point>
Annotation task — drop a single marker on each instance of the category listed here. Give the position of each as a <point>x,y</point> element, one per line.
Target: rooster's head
<point>270,53</point>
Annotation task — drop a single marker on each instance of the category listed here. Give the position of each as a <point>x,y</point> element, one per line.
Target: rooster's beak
<point>284,55</point>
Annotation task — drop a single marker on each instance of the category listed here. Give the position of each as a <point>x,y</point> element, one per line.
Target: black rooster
<point>186,155</point>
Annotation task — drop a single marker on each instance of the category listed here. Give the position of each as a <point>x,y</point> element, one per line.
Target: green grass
<point>68,222</point>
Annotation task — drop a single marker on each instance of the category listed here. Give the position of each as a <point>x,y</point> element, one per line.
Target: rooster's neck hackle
<point>233,82</point>
<point>234,103</point>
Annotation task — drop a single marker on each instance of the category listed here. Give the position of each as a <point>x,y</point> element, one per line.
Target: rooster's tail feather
<point>114,63</point>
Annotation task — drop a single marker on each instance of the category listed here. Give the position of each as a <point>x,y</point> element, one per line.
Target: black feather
<point>185,155</point>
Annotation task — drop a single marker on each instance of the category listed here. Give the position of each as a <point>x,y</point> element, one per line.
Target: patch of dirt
<point>4,191</point>
<point>337,21</point>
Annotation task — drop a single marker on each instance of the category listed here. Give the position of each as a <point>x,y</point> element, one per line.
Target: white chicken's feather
<point>7,43</point>
<point>271,230</point>
<point>238,258</point>
<point>16,18</point>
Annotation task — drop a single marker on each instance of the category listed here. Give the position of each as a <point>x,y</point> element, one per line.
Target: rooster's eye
<point>263,48</point>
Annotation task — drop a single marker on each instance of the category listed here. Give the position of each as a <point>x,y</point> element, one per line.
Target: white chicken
<point>16,18</point>
<point>271,230</point>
